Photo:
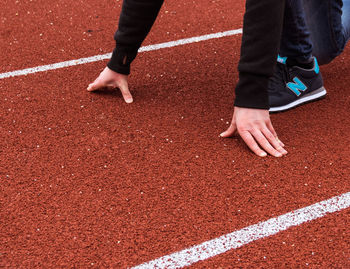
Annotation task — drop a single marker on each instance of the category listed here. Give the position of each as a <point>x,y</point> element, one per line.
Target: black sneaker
<point>292,86</point>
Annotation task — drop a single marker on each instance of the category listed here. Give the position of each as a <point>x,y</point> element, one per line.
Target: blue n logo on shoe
<point>297,87</point>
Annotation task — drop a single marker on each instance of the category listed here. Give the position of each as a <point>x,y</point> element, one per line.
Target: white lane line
<point>96,58</point>
<point>249,234</point>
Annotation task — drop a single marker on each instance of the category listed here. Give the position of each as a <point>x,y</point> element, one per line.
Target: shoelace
<point>281,72</point>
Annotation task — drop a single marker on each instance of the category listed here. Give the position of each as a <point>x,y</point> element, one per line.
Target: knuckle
<point>271,137</point>
<point>241,129</point>
<point>245,128</point>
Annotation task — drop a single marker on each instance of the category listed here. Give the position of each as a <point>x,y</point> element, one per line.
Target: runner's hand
<point>110,79</point>
<point>255,128</point>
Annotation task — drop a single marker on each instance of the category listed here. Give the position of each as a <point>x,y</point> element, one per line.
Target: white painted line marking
<point>102,57</point>
<point>249,234</point>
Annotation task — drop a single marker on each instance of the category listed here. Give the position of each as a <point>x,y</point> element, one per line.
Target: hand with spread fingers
<point>111,80</point>
<point>255,128</point>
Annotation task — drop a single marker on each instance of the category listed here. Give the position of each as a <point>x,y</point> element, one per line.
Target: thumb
<point>124,88</point>
<point>97,84</point>
<point>230,131</point>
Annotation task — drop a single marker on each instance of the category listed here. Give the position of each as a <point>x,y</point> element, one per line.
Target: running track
<point>89,181</point>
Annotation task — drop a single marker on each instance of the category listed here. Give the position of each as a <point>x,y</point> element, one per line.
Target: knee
<point>326,54</point>
<point>325,58</point>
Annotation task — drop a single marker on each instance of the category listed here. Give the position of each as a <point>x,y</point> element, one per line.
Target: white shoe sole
<point>312,96</point>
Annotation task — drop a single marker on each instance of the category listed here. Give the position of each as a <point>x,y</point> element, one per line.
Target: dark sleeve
<point>262,30</point>
<point>135,22</point>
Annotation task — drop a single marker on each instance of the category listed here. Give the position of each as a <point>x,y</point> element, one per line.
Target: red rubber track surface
<point>87,180</point>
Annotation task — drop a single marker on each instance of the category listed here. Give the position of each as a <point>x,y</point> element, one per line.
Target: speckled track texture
<point>87,180</point>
